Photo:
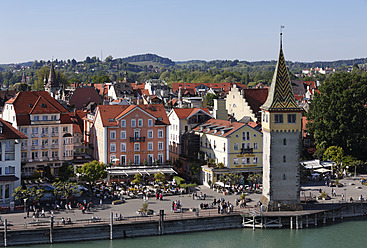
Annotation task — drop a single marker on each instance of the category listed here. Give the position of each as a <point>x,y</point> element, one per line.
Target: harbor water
<point>344,234</point>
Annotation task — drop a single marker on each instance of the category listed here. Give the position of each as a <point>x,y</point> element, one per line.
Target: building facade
<point>10,161</point>
<point>281,123</point>
<point>49,129</point>
<point>130,135</point>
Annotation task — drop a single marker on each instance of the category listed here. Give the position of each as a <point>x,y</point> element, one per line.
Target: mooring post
<point>262,222</point>
<point>253,222</point>
<point>333,216</point>
<point>301,222</point>
<point>324,218</point>
<point>5,232</point>
<point>280,222</point>
<point>161,220</point>
<point>306,221</point>
<point>51,229</point>
<point>291,222</point>
<point>341,214</point>
<point>111,226</point>
<point>315,219</point>
<point>297,222</point>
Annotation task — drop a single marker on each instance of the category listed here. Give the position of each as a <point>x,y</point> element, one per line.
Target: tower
<point>52,85</point>
<point>281,124</point>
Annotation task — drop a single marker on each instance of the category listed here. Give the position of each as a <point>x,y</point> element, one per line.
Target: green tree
<point>159,177</point>
<point>41,75</point>
<point>337,116</point>
<point>210,99</point>
<point>65,190</point>
<point>92,172</point>
<point>138,178</point>
<point>31,193</point>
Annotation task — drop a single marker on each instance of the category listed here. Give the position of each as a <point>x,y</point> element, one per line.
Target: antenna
<point>281,34</point>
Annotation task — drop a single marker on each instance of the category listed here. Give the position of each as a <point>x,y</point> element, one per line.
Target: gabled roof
<point>184,113</point>
<point>122,89</point>
<point>281,97</point>
<point>111,113</point>
<point>216,127</point>
<point>9,132</point>
<point>82,96</point>
<point>36,102</point>
<point>256,97</point>
<point>191,87</point>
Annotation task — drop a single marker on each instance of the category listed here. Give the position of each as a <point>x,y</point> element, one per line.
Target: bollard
<point>333,216</point>
<point>297,222</point>
<point>301,222</point>
<point>253,224</point>
<point>306,221</point>
<point>291,223</point>
<point>324,218</point>
<point>5,232</point>
<point>51,229</point>
<point>161,221</point>
<point>111,226</point>
<point>315,219</point>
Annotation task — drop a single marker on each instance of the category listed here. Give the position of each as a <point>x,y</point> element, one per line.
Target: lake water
<point>345,234</point>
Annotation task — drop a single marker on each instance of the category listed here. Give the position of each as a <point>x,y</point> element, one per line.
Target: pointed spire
<point>281,97</point>
<point>52,77</point>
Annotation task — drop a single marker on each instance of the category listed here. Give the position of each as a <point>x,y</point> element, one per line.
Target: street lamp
<point>25,212</point>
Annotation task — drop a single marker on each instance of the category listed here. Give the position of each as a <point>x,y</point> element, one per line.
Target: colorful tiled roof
<point>281,97</point>
<point>256,97</point>
<point>82,96</point>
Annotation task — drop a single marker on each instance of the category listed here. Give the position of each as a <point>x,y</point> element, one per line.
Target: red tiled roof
<point>256,97</point>
<point>109,113</point>
<point>136,86</point>
<point>312,84</point>
<point>76,128</point>
<point>9,132</point>
<point>184,113</point>
<point>36,102</point>
<point>82,96</point>
<point>222,123</point>
<point>191,86</point>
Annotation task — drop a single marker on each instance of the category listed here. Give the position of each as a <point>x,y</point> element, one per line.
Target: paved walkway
<point>352,189</point>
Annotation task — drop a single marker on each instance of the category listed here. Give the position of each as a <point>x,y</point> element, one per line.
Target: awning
<point>322,170</point>
<point>8,178</point>
<point>149,171</point>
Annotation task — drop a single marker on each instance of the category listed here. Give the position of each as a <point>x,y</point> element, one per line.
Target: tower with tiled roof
<point>281,124</point>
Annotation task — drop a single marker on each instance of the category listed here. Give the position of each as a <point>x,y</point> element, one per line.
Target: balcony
<point>247,150</point>
<point>54,134</point>
<point>34,147</point>
<point>34,135</point>
<point>54,145</point>
<point>24,148</point>
<point>44,134</point>
<point>137,139</point>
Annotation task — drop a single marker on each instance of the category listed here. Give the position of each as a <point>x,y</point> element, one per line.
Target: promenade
<point>129,209</point>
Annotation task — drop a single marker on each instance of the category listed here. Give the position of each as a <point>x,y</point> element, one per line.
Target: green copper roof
<point>280,97</point>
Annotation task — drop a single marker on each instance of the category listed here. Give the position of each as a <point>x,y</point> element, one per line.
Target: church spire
<point>280,97</point>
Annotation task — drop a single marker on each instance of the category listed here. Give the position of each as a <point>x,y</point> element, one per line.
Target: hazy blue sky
<point>183,29</point>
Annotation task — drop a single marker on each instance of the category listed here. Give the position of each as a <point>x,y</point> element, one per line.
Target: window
<point>136,159</point>
<point>24,130</point>
<point>55,129</point>
<point>10,170</point>
<point>34,130</point>
<point>160,133</point>
<point>235,147</point>
<point>278,118</point>
<point>140,122</point>
<point>160,158</point>
<point>123,134</point>
<point>160,146</point>
<point>44,142</point>
<point>283,176</point>
<point>45,154</point>
<point>112,159</point>
<point>243,160</point>
<point>236,161</point>
<point>45,130</point>
<point>7,190</point>
<point>34,142</point>
<point>284,159</point>
<point>150,158</point>
<point>36,118</point>
<point>136,134</point>
<point>123,159</point>
<point>292,118</point>
<point>123,123</point>
<point>55,141</point>
<point>113,135</point>
<point>248,160</point>
<point>133,122</point>
<point>123,147</point>
<point>136,146</point>
<point>255,160</point>
<point>55,154</point>
<point>45,117</point>
<point>266,117</point>
<point>150,146</point>
<point>245,135</point>
<point>112,147</point>
<point>34,155</point>
<point>53,117</point>
<point>150,134</point>
<point>65,129</point>
<point>24,155</point>
<point>256,146</point>
<point>284,142</point>
<point>150,123</point>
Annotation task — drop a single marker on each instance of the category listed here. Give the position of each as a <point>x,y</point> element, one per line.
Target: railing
<point>137,139</point>
<point>24,148</point>
<point>34,147</point>
<point>34,135</point>
<point>247,150</point>
<point>54,145</point>
<point>54,134</point>
<point>44,134</point>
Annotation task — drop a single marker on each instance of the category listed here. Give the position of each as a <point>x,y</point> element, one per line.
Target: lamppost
<point>25,212</point>
<point>345,193</point>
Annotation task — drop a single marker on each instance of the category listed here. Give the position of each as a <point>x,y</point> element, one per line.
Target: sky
<point>315,30</point>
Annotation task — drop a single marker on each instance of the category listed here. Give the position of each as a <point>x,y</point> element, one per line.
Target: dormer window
<point>43,105</point>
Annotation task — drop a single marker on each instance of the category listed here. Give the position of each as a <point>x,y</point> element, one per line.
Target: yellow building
<point>49,129</point>
<point>237,146</point>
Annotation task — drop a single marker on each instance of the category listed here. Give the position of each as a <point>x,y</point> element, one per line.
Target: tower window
<point>283,176</point>
<point>284,160</point>
<point>292,118</point>
<point>278,118</point>
<point>285,142</point>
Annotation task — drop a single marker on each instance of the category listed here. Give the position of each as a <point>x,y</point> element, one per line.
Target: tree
<point>138,178</point>
<point>209,98</point>
<point>92,172</point>
<point>41,75</point>
<point>337,116</point>
<point>65,172</point>
<point>32,193</point>
<point>335,154</point>
<point>65,190</point>
<point>159,177</point>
